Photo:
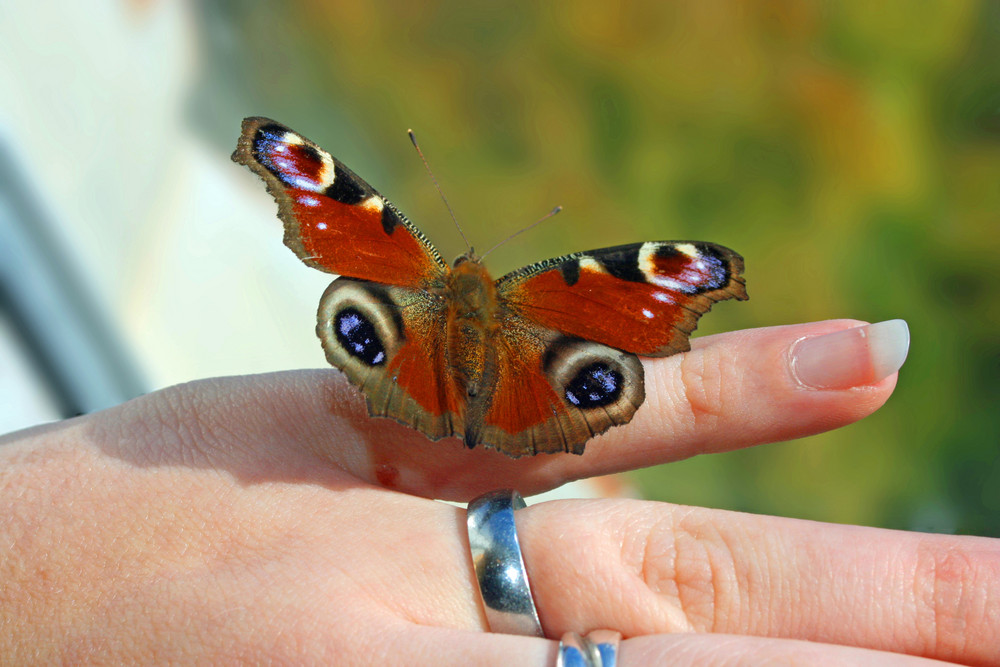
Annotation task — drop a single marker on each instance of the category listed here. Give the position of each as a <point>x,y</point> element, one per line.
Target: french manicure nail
<point>853,357</point>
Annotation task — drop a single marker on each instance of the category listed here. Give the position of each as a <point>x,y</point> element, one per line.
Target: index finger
<point>732,390</point>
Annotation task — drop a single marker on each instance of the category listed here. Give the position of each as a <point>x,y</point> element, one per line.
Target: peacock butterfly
<point>540,360</point>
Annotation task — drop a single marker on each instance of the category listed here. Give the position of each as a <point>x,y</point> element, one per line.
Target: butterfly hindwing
<point>552,393</point>
<point>334,221</point>
<point>389,341</point>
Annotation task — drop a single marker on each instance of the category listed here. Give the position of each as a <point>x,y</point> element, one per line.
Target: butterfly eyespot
<point>359,327</point>
<point>358,336</point>
<point>595,385</point>
<point>595,382</point>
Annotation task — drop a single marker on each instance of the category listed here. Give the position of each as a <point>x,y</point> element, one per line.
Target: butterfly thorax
<point>472,308</point>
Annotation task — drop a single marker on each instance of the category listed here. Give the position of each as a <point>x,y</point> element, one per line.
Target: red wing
<point>414,391</point>
<point>389,341</point>
<point>334,221</point>
<point>551,393</point>
<point>643,298</point>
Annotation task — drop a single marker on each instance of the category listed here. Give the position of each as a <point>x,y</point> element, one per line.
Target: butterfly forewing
<point>334,221</point>
<point>643,298</point>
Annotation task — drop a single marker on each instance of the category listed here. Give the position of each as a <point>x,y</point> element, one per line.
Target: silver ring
<point>598,649</point>
<point>496,557</point>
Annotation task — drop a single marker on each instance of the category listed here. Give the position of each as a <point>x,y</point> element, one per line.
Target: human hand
<point>267,518</point>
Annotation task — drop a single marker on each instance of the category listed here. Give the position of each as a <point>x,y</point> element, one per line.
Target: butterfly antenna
<point>430,173</point>
<point>548,215</point>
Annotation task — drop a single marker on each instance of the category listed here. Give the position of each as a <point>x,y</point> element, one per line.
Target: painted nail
<point>853,357</point>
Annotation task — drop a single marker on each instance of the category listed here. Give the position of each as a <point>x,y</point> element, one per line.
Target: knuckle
<point>690,565</point>
<point>951,595</point>
<point>701,385</point>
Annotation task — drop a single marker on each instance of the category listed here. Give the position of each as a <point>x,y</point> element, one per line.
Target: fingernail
<point>853,357</point>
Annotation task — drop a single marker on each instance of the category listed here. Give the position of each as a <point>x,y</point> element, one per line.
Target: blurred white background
<point>178,247</point>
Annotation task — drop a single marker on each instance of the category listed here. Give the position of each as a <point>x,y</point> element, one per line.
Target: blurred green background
<point>850,151</point>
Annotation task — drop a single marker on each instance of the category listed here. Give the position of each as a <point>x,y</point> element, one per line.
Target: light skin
<point>267,518</point>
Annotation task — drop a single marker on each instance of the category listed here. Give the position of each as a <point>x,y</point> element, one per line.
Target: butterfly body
<point>472,323</point>
<point>540,360</point>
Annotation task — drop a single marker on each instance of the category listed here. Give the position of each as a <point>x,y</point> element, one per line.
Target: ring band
<point>499,565</point>
<point>597,649</point>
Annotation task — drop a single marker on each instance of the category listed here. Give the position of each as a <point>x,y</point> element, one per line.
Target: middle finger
<point>645,568</point>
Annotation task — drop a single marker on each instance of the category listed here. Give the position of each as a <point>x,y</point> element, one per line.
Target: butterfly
<point>541,360</point>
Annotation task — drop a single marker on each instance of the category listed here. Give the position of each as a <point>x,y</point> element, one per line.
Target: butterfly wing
<point>334,221</point>
<point>571,327</point>
<point>644,298</point>
<point>381,322</point>
<point>552,393</point>
<point>390,342</point>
